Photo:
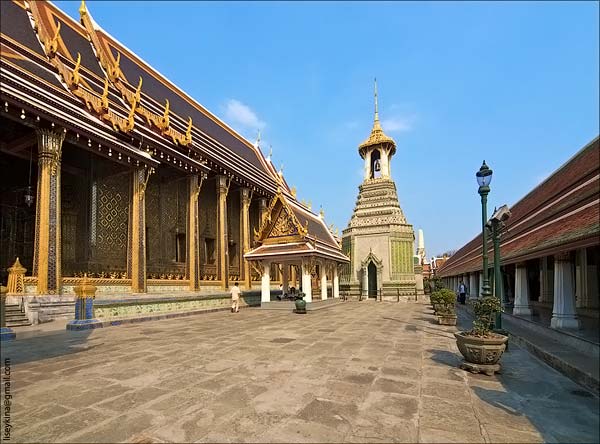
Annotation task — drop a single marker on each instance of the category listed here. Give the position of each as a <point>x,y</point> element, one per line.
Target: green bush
<point>485,310</point>
<point>445,298</point>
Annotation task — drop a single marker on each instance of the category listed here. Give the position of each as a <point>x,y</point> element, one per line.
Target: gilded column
<point>193,247</point>
<point>262,209</point>
<point>47,252</point>
<point>245,198</point>
<point>137,225</point>
<point>222,238</point>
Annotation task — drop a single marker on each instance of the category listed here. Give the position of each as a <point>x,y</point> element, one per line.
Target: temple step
<point>15,317</point>
<point>50,311</point>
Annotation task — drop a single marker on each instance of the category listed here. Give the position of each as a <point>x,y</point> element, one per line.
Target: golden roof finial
<point>82,8</point>
<point>377,135</point>
<point>293,191</point>
<point>376,109</point>
<point>321,212</point>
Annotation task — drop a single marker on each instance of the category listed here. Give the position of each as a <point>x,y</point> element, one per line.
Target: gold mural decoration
<point>280,224</point>
<point>161,123</point>
<point>72,78</point>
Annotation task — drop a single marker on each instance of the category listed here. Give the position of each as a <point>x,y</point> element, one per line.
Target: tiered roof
<point>560,214</point>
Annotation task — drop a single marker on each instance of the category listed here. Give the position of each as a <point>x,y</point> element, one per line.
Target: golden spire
<point>82,8</point>
<point>376,110</point>
<point>377,136</point>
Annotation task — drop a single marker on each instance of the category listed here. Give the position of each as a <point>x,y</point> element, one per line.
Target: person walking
<point>235,298</point>
<point>462,293</point>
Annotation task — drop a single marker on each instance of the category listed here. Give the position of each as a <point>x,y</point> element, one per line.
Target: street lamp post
<point>484,177</point>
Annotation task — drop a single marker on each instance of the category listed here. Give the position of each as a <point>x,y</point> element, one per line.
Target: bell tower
<point>378,239</point>
<point>377,150</point>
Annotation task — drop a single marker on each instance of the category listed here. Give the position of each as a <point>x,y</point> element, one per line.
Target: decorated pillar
<point>47,250</point>
<point>245,198</point>
<point>365,283</point>
<point>564,314</point>
<point>581,279</point>
<point>262,209</point>
<point>336,282</point>
<point>265,285</point>
<point>306,280</point>
<point>193,238</point>
<point>323,276</point>
<point>137,229</point>
<point>521,305</point>
<point>84,307</point>
<point>285,278</point>
<point>222,238</point>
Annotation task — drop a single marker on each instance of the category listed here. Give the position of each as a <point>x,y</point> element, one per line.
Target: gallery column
<point>47,253</point>
<point>336,282</point>
<point>193,246</point>
<point>323,276</point>
<point>521,305</point>
<point>581,279</point>
<point>137,230</point>
<point>564,314</point>
<point>265,284</point>
<point>245,198</point>
<point>306,281</point>
<point>222,239</point>
<point>473,293</point>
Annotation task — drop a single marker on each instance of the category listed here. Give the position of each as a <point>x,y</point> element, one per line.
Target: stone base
<point>299,311</point>
<point>487,369</point>
<point>7,334</point>
<point>86,324</point>
<point>521,310</point>
<point>567,322</point>
<point>447,320</point>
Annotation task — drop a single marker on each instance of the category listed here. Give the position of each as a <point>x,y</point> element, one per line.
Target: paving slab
<point>356,372</point>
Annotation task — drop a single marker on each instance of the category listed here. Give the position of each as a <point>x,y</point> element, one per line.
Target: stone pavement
<point>356,372</point>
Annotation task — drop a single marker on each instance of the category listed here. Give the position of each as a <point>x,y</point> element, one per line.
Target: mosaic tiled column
<point>564,314</point>
<point>47,249</point>
<point>84,307</point>
<point>193,245</point>
<point>137,230</point>
<point>222,238</point>
<point>245,198</point>
<point>521,306</point>
<point>262,209</point>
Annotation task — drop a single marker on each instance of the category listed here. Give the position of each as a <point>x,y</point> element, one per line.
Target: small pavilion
<point>299,244</point>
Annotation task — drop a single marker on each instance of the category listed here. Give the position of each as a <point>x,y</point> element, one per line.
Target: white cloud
<point>241,115</point>
<point>397,124</point>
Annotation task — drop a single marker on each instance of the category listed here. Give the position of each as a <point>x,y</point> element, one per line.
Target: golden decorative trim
<point>16,275</point>
<point>267,225</point>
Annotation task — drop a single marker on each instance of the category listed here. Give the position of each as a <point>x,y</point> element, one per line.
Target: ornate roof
<point>288,229</point>
<point>377,136</point>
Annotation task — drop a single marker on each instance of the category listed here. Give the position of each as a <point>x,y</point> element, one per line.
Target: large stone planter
<point>481,354</point>
<point>447,318</point>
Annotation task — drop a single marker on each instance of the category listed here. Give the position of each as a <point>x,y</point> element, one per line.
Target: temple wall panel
<point>207,215</point>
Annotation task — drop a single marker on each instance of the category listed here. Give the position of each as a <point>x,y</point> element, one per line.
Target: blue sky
<point>514,83</point>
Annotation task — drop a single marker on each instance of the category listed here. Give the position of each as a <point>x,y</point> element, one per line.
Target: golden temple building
<point>111,171</point>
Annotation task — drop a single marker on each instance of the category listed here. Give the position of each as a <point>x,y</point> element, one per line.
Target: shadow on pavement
<point>38,348</point>
<point>559,409</point>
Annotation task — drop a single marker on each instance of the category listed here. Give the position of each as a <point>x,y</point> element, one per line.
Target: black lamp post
<point>484,177</point>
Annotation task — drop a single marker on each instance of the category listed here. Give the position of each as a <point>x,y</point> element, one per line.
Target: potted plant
<point>482,348</point>
<point>300,304</point>
<point>446,311</point>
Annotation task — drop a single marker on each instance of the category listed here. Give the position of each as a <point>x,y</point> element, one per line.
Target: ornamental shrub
<point>485,310</point>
